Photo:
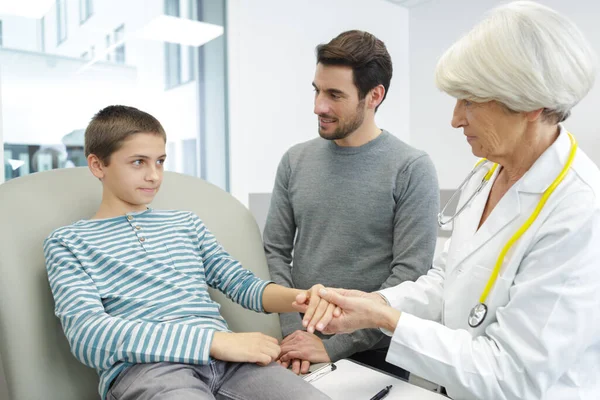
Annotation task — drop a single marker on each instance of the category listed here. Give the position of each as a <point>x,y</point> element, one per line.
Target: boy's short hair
<point>111,126</point>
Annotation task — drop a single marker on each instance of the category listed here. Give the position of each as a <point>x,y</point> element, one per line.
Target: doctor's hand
<point>319,320</point>
<point>358,310</point>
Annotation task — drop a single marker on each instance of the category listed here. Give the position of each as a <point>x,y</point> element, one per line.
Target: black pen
<point>382,393</point>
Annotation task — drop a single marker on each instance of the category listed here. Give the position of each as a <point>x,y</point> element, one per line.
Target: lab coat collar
<point>466,235</point>
<point>543,172</point>
<point>536,180</point>
<point>470,237</point>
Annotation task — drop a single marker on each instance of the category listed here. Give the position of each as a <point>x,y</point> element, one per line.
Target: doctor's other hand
<point>358,310</point>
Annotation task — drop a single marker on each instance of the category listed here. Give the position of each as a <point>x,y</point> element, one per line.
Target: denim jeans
<point>217,380</point>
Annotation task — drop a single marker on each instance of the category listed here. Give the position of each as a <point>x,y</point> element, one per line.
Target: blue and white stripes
<point>133,289</point>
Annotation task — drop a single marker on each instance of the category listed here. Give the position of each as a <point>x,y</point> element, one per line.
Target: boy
<point>130,285</point>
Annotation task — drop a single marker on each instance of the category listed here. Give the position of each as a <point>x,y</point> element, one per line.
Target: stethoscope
<point>479,312</point>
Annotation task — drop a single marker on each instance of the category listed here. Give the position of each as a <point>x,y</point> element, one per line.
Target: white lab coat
<point>541,337</point>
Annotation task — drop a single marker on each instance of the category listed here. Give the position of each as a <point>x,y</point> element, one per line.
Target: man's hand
<point>304,348</point>
<point>298,366</point>
<point>359,310</point>
<point>252,347</point>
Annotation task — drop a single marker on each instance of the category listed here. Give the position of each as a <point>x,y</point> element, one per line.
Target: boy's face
<point>135,172</point>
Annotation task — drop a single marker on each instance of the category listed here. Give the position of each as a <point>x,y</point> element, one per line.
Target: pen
<point>320,372</point>
<point>382,393</point>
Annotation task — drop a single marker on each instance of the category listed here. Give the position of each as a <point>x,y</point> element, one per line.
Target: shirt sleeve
<point>226,274</point>
<point>278,238</point>
<point>417,196</point>
<point>423,298</point>
<point>343,345</point>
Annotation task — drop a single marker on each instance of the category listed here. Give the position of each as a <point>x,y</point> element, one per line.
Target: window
<point>43,34</point>
<point>194,115</point>
<point>108,44</point>
<point>86,9</point>
<point>120,49</point>
<point>61,21</point>
<point>179,60</point>
<point>172,51</point>
<point>172,65</point>
<point>172,8</point>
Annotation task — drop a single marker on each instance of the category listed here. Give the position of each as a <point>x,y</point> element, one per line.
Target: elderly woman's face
<point>491,129</point>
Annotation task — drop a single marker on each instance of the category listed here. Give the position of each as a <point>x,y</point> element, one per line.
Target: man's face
<point>135,171</point>
<point>337,104</point>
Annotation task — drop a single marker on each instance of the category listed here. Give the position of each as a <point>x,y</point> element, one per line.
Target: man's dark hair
<point>367,56</point>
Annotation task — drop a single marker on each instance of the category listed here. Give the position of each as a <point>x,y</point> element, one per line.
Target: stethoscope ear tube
<point>442,220</point>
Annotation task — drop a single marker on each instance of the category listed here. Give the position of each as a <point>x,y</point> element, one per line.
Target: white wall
<point>434,26</point>
<point>271,67</point>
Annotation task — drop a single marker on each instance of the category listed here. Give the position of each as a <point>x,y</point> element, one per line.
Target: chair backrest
<point>35,354</point>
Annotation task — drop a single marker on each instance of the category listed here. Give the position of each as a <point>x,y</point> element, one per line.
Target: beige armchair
<point>34,353</point>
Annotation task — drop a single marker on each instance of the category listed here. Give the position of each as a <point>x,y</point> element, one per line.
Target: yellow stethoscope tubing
<point>517,235</point>
<point>489,174</point>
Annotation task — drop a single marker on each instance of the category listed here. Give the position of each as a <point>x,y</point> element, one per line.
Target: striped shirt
<point>133,289</point>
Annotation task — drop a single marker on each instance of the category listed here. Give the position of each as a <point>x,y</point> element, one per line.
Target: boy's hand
<point>317,311</point>
<point>253,347</point>
<point>315,308</point>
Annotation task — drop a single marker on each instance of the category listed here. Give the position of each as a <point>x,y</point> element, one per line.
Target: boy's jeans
<point>217,380</point>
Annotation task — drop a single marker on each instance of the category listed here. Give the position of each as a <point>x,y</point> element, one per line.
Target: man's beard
<point>346,129</point>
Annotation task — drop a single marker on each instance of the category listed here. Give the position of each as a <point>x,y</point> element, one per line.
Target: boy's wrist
<point>215,348</point>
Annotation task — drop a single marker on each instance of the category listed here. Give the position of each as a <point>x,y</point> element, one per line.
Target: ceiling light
<point>166,28</point>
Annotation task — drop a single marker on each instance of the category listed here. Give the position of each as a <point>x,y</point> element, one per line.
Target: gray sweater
<point>353,217</point>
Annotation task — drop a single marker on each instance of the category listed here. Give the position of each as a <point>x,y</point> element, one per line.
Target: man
<point>354,208</point>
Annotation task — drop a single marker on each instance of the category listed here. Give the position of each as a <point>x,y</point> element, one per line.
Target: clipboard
<point>352,380</point>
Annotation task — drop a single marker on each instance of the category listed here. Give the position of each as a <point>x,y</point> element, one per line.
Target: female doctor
<point>511,308</point>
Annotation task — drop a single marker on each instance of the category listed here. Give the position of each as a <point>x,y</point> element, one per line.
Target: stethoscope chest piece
<point>477,315</point>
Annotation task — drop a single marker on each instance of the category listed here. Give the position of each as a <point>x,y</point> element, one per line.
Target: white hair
<point>523,55</point>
